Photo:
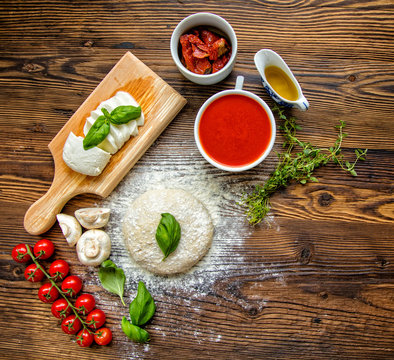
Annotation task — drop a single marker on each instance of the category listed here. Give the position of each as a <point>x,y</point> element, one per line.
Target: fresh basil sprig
<point>134,332</point>
<point>168,234</point>
<point>101,127</point>
<point>141,311</point>
<point>97,133</point>
<point>142,307</point>
<point>112,278</point>
<point>124,114</point>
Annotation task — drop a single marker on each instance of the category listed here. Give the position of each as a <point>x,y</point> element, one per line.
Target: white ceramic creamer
<point>267,57</point>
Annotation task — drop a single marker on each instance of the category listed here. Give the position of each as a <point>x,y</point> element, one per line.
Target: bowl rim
<point>174,43</point>
<point>270,117</point>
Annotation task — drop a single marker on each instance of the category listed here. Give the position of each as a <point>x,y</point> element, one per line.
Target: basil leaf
<point>124,114</point>
<point>97,133</point>
<point>134,332</point>
<point>112,278</point>
<point>168,234</point>
<point>142,307</point>
<point>106,113</point>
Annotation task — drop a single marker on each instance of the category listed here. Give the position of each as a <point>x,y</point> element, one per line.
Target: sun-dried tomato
<point>220,62</point>
<point>203,66</point>
<point>198,53</point>
<point>203,51</point>
<point>208,37</point>
<point>187,52</point>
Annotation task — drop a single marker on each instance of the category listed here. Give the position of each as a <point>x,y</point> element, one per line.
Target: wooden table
<point>327,289</point>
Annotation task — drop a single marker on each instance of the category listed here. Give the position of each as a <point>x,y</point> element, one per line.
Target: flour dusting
<point>217,193</point>
<point>141,223</point>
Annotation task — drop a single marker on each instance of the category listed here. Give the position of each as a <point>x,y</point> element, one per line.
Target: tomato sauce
<point>234,130</point>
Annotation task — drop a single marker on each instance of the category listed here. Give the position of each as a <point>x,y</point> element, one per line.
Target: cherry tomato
<point>58,270</point>
<point>19,253</point>
<point>85,338</point>
<point>103,336</point>
<point>85,303</point>
<point>48,293</point>
<point>60,309</point>
<point>33,273</point>
<point>72,285</point>
<point>71,324</point>
<point>95,319</point>
<point>43,249</point>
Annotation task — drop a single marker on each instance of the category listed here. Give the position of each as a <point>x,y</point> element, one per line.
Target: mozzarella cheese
<point>93,161</point>
<point>118,134</point>
<point>88,162</point>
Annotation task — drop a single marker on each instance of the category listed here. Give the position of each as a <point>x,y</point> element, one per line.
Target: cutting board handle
<point>40,217</point>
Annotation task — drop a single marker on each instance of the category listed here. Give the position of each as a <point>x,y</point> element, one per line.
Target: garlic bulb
<point>70,227</point>
<point>93,218</point>
<point>93,247</point>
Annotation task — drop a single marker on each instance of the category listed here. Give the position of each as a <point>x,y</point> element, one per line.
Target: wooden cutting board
<point>160,104</point>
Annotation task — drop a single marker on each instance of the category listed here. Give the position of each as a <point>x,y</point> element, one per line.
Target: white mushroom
<point>70,227</point>
<point>93,247</point>
<point>93,218</point>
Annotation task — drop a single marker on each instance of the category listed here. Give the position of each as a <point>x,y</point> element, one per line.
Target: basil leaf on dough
<point>142,307</point>
<point>97,133</point>
<point>124,114</point>
<point>112,278</point>
<point>168,234</point>
<point>134,332</point>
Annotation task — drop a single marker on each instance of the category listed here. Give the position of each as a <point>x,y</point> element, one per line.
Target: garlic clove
<point>93,247</point>
<point>93,218</point>
<point>70,227</point>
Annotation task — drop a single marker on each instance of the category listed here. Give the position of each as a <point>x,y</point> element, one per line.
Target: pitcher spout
<point>302,104</point>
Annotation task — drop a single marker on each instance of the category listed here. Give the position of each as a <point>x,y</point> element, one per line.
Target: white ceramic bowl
<point>238,90</point>
<point>210,20</point>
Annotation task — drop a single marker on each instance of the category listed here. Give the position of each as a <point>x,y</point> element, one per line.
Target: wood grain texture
<point>316,285</point>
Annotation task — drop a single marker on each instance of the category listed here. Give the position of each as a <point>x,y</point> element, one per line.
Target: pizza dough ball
<point>143,217</point>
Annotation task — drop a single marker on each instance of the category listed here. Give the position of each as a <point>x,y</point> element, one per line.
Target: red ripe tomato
<point>59,270</point>
<point>85,303</point>
<point>95,319</point>
<point>33,273</point>
<point>71,324</point>
<point>72,285</point>
<point>43,249</point>
<point>103,336</point>
<point>48,293</point>
<point>19,253</point>
<point>85,338</point>
<point>60,309</point>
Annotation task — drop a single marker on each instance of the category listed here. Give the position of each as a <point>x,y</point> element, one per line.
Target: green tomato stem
<point>73,308</point>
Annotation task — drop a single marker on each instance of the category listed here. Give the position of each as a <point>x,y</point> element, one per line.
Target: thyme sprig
<point>296,166</point>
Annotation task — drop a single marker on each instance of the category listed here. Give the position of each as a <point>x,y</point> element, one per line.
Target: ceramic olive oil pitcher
<point>279,81</point>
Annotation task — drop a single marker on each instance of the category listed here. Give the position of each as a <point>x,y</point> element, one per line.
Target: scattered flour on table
<point>218,195</point>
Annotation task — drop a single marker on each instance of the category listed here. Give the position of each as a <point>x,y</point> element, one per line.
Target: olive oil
<point>281,83</point>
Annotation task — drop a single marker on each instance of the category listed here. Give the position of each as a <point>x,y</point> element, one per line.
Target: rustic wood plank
<point>345,98</point>
<point>316,281</point>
